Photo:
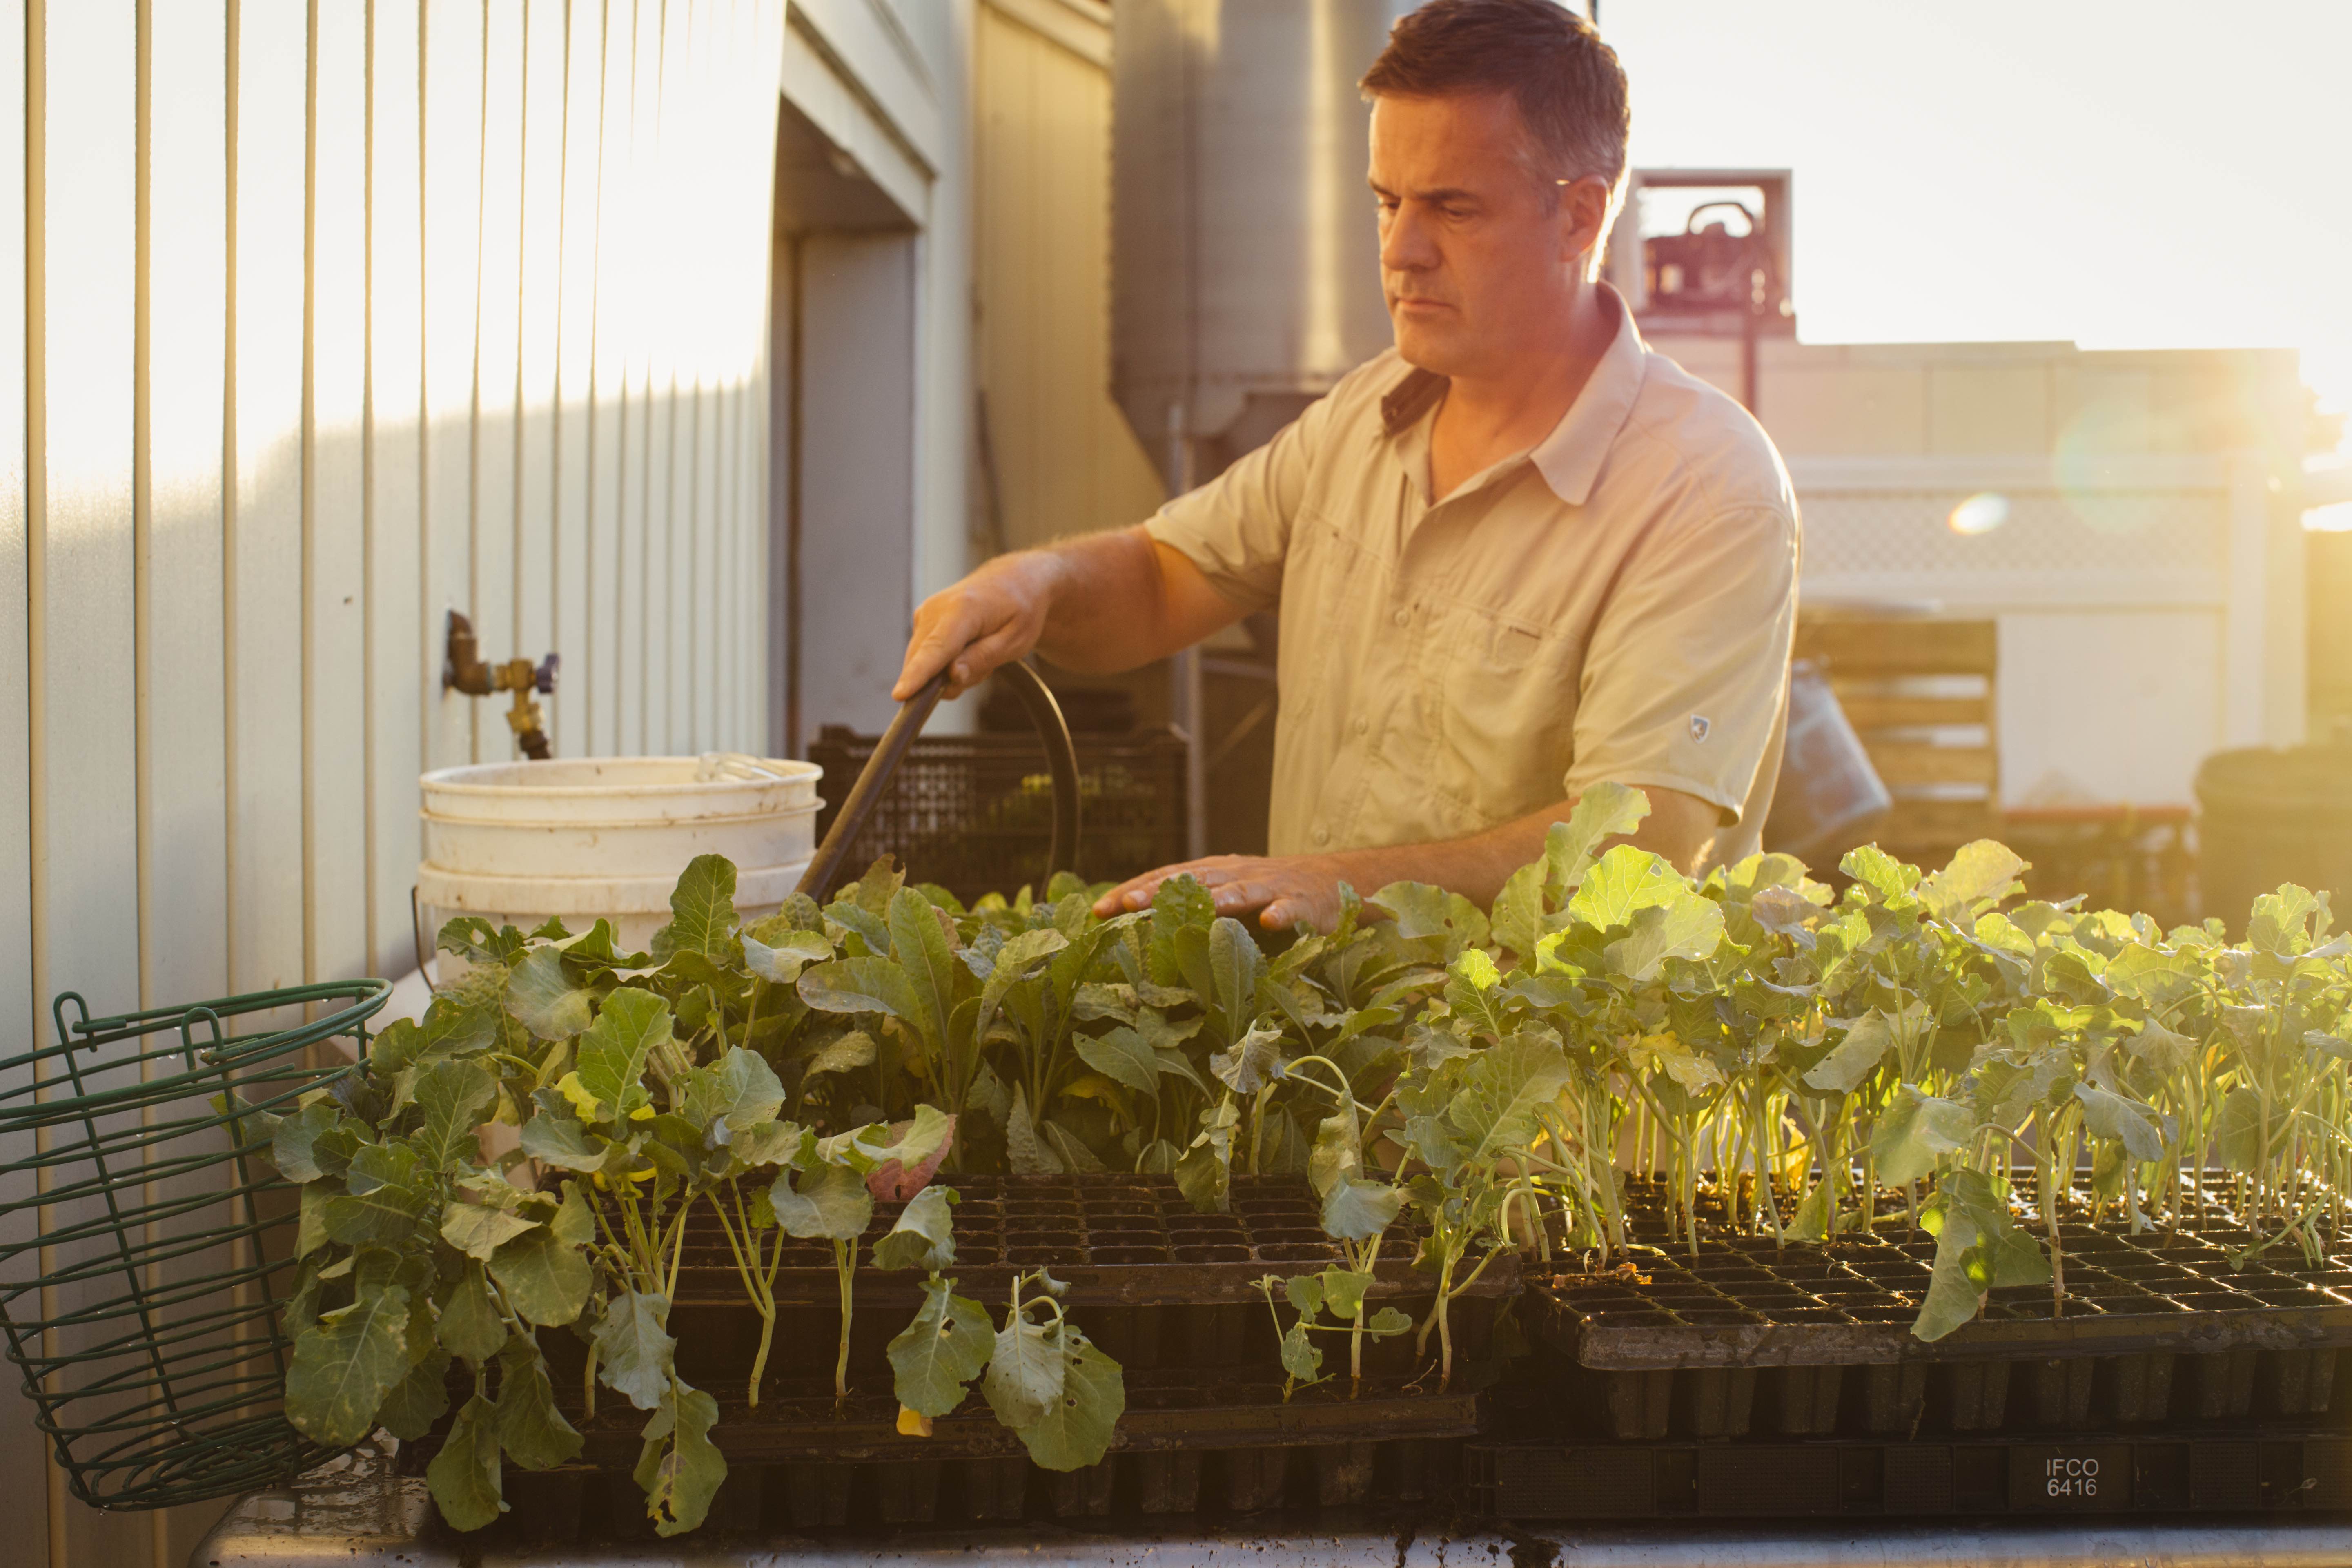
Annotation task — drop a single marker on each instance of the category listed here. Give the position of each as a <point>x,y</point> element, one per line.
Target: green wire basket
<point>146,1244</point>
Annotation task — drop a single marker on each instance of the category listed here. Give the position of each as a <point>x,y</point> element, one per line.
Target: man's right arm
<point>1098,604</point>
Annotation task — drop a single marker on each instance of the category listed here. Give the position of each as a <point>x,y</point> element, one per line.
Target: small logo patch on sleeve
<point>1699,726</point>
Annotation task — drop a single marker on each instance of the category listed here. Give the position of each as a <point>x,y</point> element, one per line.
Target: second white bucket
<point>607,837</point>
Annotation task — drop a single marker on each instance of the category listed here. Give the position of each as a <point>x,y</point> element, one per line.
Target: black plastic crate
<point>2244,1471</point>
<point>975,812</point>
<point>1743,1336</point>
<point>1160,1286</point>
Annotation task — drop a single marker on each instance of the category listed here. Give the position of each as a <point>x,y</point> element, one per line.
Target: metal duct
<point>1244,277</point>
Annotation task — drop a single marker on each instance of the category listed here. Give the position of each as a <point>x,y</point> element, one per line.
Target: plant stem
<point>844,1263</point>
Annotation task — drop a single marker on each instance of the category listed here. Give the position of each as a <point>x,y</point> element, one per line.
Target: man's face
<point>1473,264</point>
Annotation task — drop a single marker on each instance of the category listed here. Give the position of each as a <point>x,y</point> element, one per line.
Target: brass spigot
<point>463,669</point>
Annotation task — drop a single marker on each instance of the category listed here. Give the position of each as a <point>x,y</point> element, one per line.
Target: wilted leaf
<point>680,1468</point>
<point>636,1354</point>
<point>1075,1430</point>
<point>923,1237</point>
<point>1254,1061</point>
<point>343,1367</point>
<point>464,1476</point>
<point>470,1324</point>
<point>531,1428</point>
<point>1356,1210</point>
<point>2110,1115</point>
<point>1915,1132</point>
<point>831,1201</point>
<point>1025,1371</point>
<point>914,1156</point>
<point>936,1356</point>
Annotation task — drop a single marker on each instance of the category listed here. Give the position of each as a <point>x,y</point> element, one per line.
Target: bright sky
<point>2125,173</point>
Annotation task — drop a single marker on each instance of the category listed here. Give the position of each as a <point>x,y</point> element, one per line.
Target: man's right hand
<point>992,618</point>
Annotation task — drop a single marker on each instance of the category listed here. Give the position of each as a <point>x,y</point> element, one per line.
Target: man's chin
<point>1425,348</point>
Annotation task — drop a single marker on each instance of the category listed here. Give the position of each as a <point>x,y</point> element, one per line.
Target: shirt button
<point>1362,724</point>
<point>1322,836</point>
<point>1404,617</point>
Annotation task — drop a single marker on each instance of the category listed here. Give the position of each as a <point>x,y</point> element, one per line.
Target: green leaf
<point>1179,904</point>
<point>930,966</point>
<point>531,1428</point>
<point>1980,875</point>
<point>1387,1321</point>
<point>2110,1115</point>
<point>1914,1132</point>
<point>418,1400</point>
<point>1343,1290</point>
<point>465,1475</point>
<point>831,1201</point>
<point>613,1053</point>
<point>343,1367</point>
<point>1853,1058</point>
<point>1235,966</point>
<point>1026,1371</point>
<point>1621,882</point>
<point>1075,1430</point>
<point>1357,1210</point>
<point>861,985</point>
<point>1687,926</point>
<point>748,1090</point>
<point>1025,1151</point>
<point>385,1216</point>
<point>545,1279</point>
<point>1123,1056</point>
<point>680,1468</point>
<point>1300,1357</point>
<point>2238,1132</point>
<point>1022,952</point>
<point>937,1355</point>
<point>1881,873</point>
<point>1605,810</point>
<point>1417,909</point>
<point>1518,914</point>
<point>923,1237</point>
<point>702,908</point>
<point>1305,1292</point>
<point>542,999</point>
<point>564,1142</point>
<point>635,1355</point>
<point>845,1053</point>
<point>793,951</point>
<point>290,1143</point>
<point>1205,1173</point>
<point>1502,1088</point>
<point>478,1231</point>
<point>470,1324</point>
<point>1254,1061</point>
<point>453,1096</point>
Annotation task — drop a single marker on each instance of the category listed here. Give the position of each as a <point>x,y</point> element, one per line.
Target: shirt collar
<point>1569,458</point>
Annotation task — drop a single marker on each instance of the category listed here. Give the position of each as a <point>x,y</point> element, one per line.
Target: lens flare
<point>1980,513</point>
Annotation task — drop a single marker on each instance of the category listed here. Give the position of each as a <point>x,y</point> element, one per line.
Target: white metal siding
<point>340,316</point>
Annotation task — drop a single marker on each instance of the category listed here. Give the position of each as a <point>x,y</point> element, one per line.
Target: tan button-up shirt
<point>1614,604</point>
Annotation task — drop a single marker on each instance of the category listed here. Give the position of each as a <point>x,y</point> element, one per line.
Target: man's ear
<point>1583,218</point>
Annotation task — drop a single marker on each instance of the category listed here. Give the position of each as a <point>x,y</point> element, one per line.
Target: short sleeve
<point>1236,528</point>
<point>1688,666</point>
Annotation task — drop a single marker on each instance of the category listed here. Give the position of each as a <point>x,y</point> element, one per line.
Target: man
<point>1514,556</point>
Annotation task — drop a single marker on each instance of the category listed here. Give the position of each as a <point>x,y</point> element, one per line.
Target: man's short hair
<point>1568,84</point>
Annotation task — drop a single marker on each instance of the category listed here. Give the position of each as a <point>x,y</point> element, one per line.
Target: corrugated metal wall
<point>1063,459</point>
<point>339,315</point>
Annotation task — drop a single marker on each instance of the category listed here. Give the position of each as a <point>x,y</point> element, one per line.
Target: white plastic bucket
<point>607,837</point>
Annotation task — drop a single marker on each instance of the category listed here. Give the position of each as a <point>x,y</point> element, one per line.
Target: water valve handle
<point>543,679</point>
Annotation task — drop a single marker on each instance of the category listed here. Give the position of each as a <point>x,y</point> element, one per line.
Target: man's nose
<point>1405,246</point>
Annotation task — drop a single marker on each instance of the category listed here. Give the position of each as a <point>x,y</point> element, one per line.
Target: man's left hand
<point>1283,890</point>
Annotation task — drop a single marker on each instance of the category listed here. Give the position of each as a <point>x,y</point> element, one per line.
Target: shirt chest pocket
<point>1506,712</point>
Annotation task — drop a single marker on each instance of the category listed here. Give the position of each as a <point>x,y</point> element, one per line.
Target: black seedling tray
<point>1184,1443</point>
<point>1813,1340</point>
<point>2101,1474</point>
<point>1150,1280</point>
